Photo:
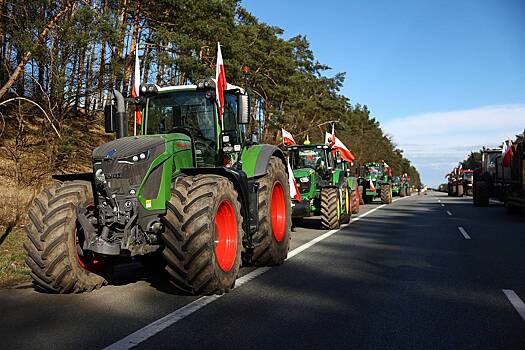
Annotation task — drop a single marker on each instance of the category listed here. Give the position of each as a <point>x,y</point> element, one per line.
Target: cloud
<point>436,142</point>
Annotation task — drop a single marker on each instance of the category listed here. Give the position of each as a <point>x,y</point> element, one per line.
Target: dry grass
<point>13,268</point>
<point>27,161</point>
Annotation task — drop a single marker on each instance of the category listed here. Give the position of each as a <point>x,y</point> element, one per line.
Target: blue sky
<point>411,61</point>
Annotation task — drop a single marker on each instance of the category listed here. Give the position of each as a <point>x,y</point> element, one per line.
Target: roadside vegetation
<point>66,55</point>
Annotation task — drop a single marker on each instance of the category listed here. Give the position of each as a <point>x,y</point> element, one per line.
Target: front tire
<point>203,235</point>
<point>54,252</point>
<point>330,210</point>
<point>272,240</point>
<point>386,194</point>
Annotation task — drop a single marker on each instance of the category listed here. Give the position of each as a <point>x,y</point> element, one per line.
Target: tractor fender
<point>255,159</point>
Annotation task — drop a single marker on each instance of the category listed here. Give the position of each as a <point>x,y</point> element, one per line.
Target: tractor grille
<point>304,187</point>
<point>121,173</point>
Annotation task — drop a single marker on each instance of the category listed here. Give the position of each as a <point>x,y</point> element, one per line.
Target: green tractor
<point>376,182</point>
<point>193,195</point>
<point>324,184</point>
<point>400,186</point>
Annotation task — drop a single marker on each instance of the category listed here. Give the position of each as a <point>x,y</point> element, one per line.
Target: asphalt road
<point>426,272</point>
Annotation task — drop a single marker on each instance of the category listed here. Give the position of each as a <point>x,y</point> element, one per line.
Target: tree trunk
<point>25,58</point>
<point>80,76</point>
<point>131,56</point>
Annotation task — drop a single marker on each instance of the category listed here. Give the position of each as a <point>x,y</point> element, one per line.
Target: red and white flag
<point>136,85</point>
<point>288,139</point>
<point>338,146</point>
<point>294,189</point>
<point>507,153</point>
<point>220,82</point>
<point>372,188</point>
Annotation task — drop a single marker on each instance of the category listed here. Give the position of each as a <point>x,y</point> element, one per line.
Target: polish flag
<point>288,139</point>
<point>337,145</point>
<point>294,189</point>
<point>372,188</point>
<point>507,153</point>
<point>136,85</point>
<point>220,81</point>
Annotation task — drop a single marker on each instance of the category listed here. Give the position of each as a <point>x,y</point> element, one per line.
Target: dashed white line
<point>159,325</point>
<point>515,300</point>
<point>449,213</point>
<point>463,232</point>
<point>442,204</point>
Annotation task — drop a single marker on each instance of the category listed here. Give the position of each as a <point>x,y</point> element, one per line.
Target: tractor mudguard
<point>255,159</point>
<point>247,191</point>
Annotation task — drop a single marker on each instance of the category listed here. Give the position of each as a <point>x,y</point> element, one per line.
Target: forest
<point>60,59</point>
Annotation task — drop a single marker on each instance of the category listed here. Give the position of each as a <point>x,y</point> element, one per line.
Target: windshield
<point>490,161</point>
<point>374,169</point>
<point>307,158</point>
<point>189,110</point>
<point>468,175</point>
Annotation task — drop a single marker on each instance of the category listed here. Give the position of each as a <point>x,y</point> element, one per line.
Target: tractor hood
<point>127,147</point>
<point>303,172</point>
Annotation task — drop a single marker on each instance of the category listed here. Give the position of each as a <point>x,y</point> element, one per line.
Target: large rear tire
<point>482,193</point>
<point>361,194</point>
<point>203,235</point>
<point>272,240</point>
<point>330,209</point>
<point>355,202</point>
<point>386,194</point>
<point>54,252</point>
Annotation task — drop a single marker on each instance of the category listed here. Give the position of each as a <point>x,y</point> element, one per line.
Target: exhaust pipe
<point>122,115</point>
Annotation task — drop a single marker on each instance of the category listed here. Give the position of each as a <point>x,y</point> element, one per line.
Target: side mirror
<point>109,119</point>
<point>243,109</point>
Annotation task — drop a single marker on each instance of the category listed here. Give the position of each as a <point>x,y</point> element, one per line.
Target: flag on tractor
<point>220,81</point>
<point>507,153</point>
<point>294,189</point>
<point>288,139</point>
<point>372,188</point>
<point>338,146</point>
<point>136,85</point>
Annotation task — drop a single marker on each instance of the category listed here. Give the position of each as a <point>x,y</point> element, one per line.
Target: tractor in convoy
<point>467,178</point>
<point>376,181</point>
<point>455,183</point>
<point>194,192</point>
<point>400,186</point>
<point>325,185</point>
<point>485,184</point>
<point>504,182</point>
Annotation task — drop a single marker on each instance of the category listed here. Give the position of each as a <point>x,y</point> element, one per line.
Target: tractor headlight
<point>99,175</point>
<point>304,179</point>
<point>135,158</point>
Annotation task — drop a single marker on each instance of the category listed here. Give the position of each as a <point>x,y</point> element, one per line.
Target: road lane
<point>97,319</point>
<point>399,277</point>
<point>395,279</point>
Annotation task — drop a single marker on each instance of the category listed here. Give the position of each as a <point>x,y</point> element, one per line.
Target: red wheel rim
<point>225,241</point>
<point>278,212</point>
<point>90,264</point>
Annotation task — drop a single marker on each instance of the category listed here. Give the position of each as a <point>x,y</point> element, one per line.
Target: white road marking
<point>442,204</point>
<point>515,300</point>
<point>159,325</point>
<point>463,232</point>
<point>449,213</point>
<point>495,201</point>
